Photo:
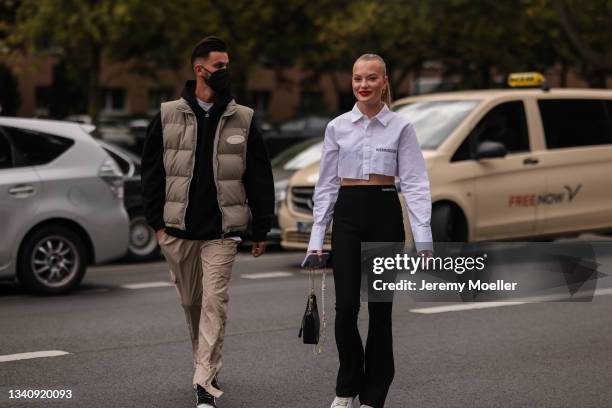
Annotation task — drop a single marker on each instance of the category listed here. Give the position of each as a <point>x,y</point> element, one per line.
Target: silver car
<point>61,204</point>
<point>143,243</point>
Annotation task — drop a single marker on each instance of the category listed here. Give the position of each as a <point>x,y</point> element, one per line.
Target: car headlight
<point>280,193</point>
<point>280,190</point>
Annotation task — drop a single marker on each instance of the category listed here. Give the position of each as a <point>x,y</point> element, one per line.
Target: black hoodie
<point>203,216</point>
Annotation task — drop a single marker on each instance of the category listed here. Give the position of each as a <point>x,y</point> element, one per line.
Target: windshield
<point>299,156</point>
<point>434,121</point>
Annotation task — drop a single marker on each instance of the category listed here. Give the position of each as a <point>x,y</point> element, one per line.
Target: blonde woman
<point>363,151</point>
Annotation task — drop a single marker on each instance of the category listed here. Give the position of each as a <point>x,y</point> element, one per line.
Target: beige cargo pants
<point>201,272</point>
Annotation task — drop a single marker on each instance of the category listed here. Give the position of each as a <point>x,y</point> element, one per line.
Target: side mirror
<point>490,150</point>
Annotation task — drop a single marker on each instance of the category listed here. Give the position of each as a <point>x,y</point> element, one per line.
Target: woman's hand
<point>426,253</point>
<point>319,253</point>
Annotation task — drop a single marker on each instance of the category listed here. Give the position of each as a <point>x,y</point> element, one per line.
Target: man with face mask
<point>205,176</point>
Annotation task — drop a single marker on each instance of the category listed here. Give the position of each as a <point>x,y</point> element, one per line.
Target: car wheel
<point>52,260</point>
<point>448,224</point>
<point>143,243</point>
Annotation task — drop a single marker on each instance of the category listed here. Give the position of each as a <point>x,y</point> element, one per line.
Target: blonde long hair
<point>386,93</point>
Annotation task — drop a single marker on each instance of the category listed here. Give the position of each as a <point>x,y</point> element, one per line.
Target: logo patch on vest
<point>235,139</point>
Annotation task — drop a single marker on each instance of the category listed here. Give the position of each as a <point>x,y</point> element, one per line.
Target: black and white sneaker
<point>204,399</point>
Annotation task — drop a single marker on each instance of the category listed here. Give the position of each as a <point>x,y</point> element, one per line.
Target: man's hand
<point>159,233</point>
<point>258,248</point>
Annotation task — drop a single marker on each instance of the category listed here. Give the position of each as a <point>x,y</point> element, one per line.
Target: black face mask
<point>219,82</point>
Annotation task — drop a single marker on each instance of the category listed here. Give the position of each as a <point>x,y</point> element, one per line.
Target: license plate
<point>304,226</point>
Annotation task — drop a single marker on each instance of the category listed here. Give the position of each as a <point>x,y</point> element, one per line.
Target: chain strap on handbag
<point>318,349</point>
<point>313,329</point>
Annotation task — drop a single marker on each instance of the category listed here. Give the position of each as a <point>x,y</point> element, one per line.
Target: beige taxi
<point>507,164</point>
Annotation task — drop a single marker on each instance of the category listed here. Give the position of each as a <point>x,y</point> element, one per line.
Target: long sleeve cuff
<point>317,237</point>
<point>260,232</point>
<point>157,225</point>
<point>422,238</point>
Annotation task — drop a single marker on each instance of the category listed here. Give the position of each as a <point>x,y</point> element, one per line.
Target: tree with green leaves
<point>84,34</point>
<point>587,26</point>
<point>400,31</point>
<point>473,40</point>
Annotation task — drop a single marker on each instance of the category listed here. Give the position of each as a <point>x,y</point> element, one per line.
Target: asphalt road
<point>128,346</point>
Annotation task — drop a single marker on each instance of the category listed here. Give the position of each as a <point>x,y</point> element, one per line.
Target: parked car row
<point>503,164</point>
<point>285,135</point>
<point>68,200</point>
<point>130,132</point>
<point>126,132</point>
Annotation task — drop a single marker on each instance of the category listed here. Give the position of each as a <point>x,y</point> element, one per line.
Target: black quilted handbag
<point>311,323</point>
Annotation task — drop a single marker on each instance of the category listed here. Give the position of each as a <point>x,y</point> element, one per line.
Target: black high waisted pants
<point>370,214</point>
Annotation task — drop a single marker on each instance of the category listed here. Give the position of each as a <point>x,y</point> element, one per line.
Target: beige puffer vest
<point>180,131</point>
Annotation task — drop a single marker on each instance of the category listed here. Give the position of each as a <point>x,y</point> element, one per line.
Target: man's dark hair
<point>206,46</point>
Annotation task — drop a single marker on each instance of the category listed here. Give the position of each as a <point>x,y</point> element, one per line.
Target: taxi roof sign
<point>526,80</point>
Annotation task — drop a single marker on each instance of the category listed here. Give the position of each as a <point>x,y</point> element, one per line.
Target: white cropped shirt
<point>355,147</point>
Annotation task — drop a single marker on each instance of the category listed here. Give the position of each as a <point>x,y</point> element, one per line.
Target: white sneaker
<point>342,402</point>
<point>366,406</point>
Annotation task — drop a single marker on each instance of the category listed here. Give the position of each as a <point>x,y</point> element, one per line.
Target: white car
<point>61,204</point>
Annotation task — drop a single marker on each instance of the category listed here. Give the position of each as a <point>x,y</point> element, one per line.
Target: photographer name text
<point>478,285</point>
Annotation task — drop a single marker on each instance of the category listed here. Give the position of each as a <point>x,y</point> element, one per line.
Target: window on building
<point>157,96</point>
<point>575,122</point>
<point>311,102</point>
<point>113,100</point>
<point>42,100</point>
<point>505,123</point>
<point>260,100</point>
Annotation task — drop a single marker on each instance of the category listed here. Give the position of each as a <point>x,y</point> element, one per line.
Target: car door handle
<point>22,191</point>
<point>531,160</point>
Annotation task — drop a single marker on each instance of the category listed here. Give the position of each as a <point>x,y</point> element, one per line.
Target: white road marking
<point>602,292</point>
<point>34,354</point>
<point>485,305</point>
<point>147,285</point>
<point>463,306</point>
<point>266,275</point>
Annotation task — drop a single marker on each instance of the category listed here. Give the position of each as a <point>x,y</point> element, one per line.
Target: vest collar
<point>230,109</point>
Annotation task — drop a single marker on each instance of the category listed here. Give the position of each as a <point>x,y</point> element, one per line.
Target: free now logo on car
<point>530,200</point>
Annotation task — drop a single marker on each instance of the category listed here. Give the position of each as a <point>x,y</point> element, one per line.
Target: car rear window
<point>36,148</point>
<point>576,122</point>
